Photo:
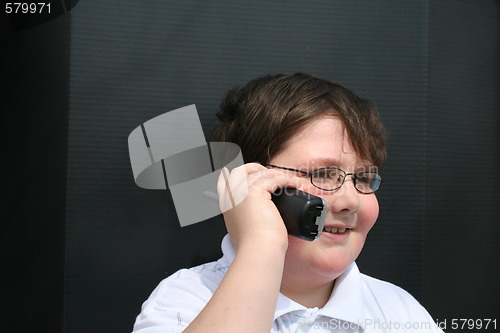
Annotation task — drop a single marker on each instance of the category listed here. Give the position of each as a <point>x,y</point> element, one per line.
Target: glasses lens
<point>328,178</point>
<point>367,182</point>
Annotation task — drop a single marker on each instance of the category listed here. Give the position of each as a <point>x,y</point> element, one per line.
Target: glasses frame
<point>310,175</point>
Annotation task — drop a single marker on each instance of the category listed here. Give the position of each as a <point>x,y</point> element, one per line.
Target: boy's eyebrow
<point>322,162</point>
<point>330,162</point>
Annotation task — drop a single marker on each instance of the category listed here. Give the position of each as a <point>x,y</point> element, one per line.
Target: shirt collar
<point>345,303</point>
<point>228,251</point>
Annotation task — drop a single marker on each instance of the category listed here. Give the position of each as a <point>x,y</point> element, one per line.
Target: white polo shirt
<point>358,303</point>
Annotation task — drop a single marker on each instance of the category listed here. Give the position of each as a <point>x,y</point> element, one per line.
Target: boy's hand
<point>251,217</point>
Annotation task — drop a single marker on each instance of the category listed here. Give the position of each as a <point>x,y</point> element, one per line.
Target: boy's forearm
<point>245,301</point>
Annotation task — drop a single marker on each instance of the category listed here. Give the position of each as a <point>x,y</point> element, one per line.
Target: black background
<point>82,246</point>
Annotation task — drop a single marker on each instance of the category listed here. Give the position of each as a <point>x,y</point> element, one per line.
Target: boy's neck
<point>307,295</point>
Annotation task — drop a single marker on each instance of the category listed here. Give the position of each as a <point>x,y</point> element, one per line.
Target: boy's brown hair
<point>261,116</point>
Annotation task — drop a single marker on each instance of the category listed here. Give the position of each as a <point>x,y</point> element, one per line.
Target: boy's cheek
<point>369,211</point>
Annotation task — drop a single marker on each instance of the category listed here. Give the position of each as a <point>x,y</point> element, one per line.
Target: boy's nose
<point>346,198</point>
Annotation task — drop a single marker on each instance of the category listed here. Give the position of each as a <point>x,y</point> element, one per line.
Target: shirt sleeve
<point>174,304</point>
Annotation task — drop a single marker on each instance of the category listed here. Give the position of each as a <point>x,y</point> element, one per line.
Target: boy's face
<point>324,144</point>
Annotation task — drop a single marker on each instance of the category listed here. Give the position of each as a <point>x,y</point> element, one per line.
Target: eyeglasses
<point>330,179</point>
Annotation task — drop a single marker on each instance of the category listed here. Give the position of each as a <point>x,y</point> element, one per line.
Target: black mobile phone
<point>303,213</point>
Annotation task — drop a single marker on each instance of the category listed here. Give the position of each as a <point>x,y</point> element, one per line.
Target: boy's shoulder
<point>209,275</point>
<point>395,302</point>
<point>188,288</point>
<point>385,288</point>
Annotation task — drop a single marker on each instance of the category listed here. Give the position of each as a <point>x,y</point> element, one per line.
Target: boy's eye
<point>364,177</point>
<point>367,182</point>
<point>327,174</point>
<point>321,174</point>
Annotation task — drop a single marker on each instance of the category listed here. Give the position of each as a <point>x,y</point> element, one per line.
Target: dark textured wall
<point>431,66</point>
<point>34,104</point>
<point>461,248</point>
<point>131,63</point>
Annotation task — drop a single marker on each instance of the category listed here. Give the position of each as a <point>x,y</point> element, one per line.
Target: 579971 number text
<point>27,8</point>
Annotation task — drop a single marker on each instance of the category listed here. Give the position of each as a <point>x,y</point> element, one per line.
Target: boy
<point>301,132</point>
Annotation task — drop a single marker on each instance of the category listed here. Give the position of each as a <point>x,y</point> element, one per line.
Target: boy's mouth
<point>334,230</point>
